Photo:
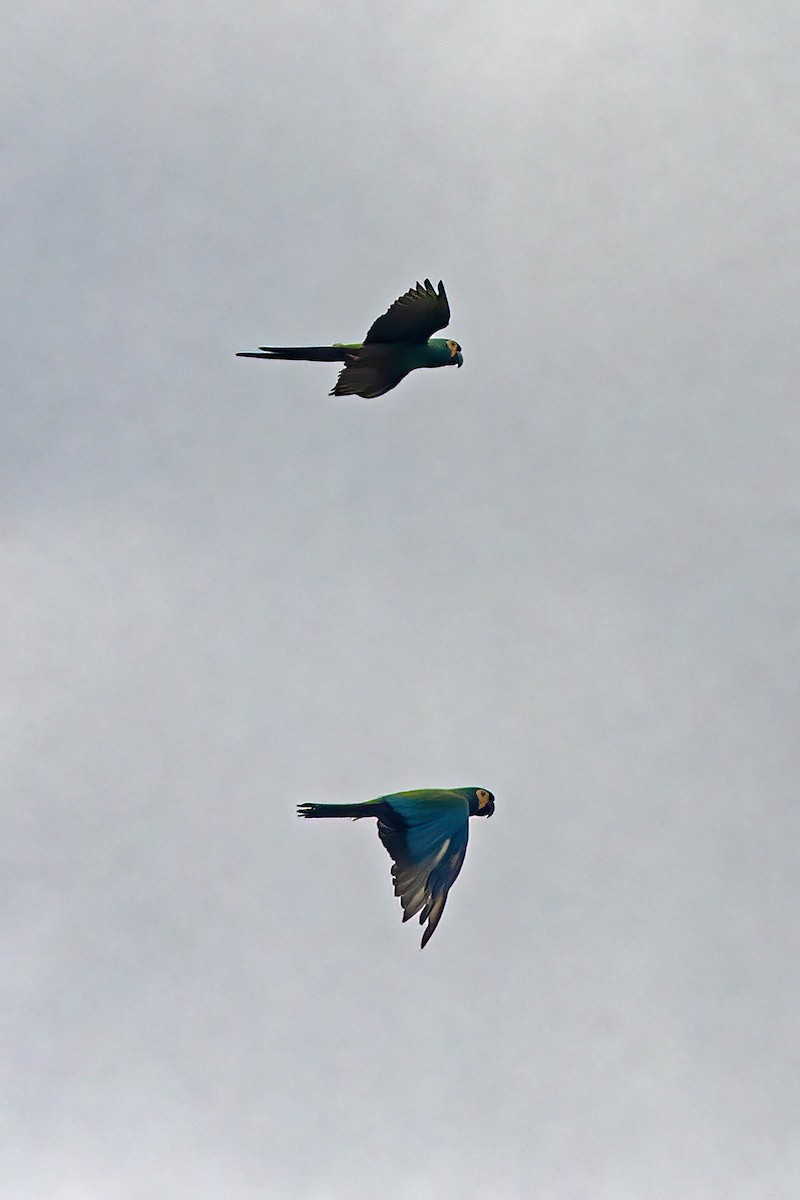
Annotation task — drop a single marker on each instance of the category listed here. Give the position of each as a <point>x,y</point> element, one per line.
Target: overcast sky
<point>567,573</point>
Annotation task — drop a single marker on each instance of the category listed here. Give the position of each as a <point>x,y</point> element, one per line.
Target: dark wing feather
<point>440,881</point>
<point>414,317</point>
<point>369,372</point>
<point>428,849</point>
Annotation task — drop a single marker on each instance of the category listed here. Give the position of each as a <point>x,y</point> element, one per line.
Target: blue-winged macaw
<point>426,835</point>
<point>398,342</point>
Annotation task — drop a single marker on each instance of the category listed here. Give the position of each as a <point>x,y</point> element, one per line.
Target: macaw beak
<point>459,359</point>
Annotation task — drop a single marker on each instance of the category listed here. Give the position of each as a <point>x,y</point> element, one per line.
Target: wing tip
<point>432,912</point>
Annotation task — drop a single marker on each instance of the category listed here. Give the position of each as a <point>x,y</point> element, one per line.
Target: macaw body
<point>425,833</point>
<point>398,342</point>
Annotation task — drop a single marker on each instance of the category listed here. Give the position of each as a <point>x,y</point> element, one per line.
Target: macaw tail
<point>336,810</point>
<point>303,353</point>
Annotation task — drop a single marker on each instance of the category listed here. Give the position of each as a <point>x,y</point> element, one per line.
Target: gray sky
<point>568,572</point>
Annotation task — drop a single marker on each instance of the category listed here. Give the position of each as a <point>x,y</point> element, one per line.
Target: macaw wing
<point>428,843</point>
<point>413,317</point>
<point>369,371</point>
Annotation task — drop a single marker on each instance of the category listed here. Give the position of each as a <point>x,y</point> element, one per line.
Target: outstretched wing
<point>427,839</point>
<point>414,317</point>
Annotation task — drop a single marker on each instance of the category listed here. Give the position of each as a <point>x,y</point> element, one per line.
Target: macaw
<point>426,835</point>
<point>398,342</point>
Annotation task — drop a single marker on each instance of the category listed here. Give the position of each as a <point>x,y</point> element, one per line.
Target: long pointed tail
<point>301,353</point>
<point>336,810</point>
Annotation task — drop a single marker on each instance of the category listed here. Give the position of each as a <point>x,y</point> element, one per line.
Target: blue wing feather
<point>426,835</point>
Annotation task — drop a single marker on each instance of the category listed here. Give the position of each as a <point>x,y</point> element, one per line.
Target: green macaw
<point>398,342</point>
<point>426,835</point>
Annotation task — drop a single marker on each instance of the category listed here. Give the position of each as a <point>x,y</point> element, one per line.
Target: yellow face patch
<point>484,798</point>
<point>453,347</point>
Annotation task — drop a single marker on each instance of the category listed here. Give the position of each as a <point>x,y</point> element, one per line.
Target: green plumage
<point>425,833</point>
<point>398,342</point>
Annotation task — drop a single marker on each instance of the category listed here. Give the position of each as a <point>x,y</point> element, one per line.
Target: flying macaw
<point>426,835</point>
<point>398,342</point>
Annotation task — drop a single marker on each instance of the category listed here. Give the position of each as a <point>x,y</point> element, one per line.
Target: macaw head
<point>481,802</point>
<point>455,352</point>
